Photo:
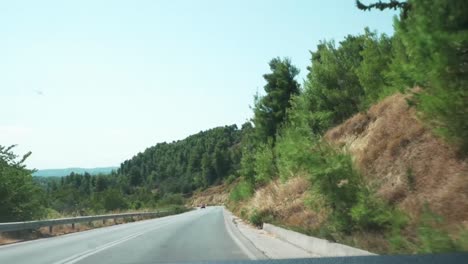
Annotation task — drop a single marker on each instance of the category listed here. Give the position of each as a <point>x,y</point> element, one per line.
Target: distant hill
<point>67,171</point>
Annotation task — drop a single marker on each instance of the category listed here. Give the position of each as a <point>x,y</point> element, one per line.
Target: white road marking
<point>77,257</point>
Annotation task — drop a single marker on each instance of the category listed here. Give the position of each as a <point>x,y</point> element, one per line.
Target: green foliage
<point>392,4</point>
<point>332,86</point>
<point>270,110</point>
<point>243,190</point>
<point>434,38</point>
<point>265,167</point>
<point>113,199</point>
<point>172,199</point>
<point>430,238</point>
<point>295,141</point>
<point>20,198</point>
<point>230,179</point>
<point>372,70</point>
<point>433,239</point>
<point>334,176</point>
<point>257,218</point>
<point>371,213</point>
<point>247,162</point>
<point>200,160</point>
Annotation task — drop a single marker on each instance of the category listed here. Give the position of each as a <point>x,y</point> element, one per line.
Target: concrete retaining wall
<point>314,245</point>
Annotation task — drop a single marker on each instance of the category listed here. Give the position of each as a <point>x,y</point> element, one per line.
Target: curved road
<point>200,235</point>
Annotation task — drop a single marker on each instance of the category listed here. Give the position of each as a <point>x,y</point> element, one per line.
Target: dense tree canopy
<point>332,86</point>
<point>198,161</point>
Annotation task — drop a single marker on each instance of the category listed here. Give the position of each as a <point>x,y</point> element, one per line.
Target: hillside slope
<point>200,160</point>
<point>400,159</point>
<point>404,161</point>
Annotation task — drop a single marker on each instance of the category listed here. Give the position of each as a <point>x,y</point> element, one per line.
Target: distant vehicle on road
<point>203,206</point>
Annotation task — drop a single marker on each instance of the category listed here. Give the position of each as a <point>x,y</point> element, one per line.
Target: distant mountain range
<point>67,171</point>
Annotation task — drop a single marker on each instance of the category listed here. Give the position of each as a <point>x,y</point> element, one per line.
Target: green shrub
<point>431,238</point>
<point>257,218</point>
<point>333,176</point>
<point>230,179</point>
<point>293,148</point>
<point>172,199</point>
<point>371,213</point>
<point>241,191</point>
<point>265,167</point>
<point>399,243</point>
<point>113,199</point>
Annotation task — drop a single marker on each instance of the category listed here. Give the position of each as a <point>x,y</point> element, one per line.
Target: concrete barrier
<point>314,245</point>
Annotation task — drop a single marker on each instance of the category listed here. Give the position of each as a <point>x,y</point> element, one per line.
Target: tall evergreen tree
<point>270,110</point>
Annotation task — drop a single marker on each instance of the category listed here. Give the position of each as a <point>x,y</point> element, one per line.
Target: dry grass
<point>404,161</point>
<point>214,195</point>
<point>7,240</point>
<point>287,203</point>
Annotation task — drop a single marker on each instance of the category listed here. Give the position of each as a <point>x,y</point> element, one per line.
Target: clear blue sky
<point>91,83</point>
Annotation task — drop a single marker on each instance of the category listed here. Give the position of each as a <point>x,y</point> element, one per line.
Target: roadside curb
<point>314,245</point>
<point>243,242</point>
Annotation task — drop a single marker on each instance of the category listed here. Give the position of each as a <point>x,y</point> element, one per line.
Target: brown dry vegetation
<point>214,195</point>
<point>405,162</point>
<point>287,203</point>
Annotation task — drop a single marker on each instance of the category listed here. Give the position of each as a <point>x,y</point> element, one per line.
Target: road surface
<point>200,235</point>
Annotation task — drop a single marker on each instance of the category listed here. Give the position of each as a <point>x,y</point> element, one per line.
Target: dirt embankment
<point>215,195</point>
<point>404,161</point>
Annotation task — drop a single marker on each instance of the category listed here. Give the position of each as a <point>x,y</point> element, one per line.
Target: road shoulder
<point>260,243</point>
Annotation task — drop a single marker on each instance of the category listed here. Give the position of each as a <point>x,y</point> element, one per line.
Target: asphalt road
<point>200,235</point>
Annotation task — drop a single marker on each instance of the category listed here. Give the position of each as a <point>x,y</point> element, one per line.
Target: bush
<point>257,218</point>
<point>334,177</point>
<point>113,199</point>
<point>230,179</point>
<point>265,167</point>
<point>172,199</point>
<point>371,213</point>
<point>293,148</point>
<point>241,191</point>
<point>431,238</point>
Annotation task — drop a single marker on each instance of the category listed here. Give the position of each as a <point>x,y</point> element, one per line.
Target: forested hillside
<point>159,176</point>
<point>200,160</point>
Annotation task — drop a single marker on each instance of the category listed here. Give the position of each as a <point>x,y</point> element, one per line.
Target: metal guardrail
<point>16,226</point>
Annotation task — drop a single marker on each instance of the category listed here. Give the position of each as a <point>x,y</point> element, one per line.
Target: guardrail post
<point>73,225</point>
<point>50,229</point>
<point>103,221</point>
